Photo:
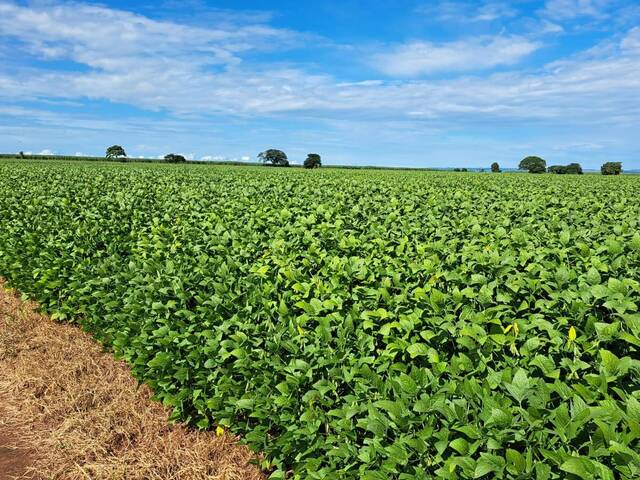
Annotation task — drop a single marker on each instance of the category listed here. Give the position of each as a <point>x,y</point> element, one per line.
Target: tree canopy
<point>115,151</point>
<point>571,169</point>
<point>533,164</point>
<point>611,168</point>
<point>174,158</point>
<point>274,157</point>
<point>495,168</point>
<point>312,161</point>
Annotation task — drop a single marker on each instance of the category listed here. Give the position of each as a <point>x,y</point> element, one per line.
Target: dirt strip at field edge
<point>68,410</point>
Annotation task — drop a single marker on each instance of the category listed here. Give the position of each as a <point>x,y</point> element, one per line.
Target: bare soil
<point>14,460</point>
<point>68,410</point>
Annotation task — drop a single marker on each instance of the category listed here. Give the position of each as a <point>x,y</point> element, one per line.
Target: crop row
<point>355,324</point>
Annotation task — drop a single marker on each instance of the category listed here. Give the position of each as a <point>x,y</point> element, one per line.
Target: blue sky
<point>406,83</point>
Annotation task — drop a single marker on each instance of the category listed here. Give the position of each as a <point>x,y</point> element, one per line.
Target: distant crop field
<point>355,324</point>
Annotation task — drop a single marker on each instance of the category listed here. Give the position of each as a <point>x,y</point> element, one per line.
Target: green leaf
<point>407,384</point>
<point>519,386</point>
<point>599,291</point>
<point>460,445</point>
<point>395,409</point>
<point>418,350</point>
<point>160,360</point>
<point>488,463</point>
<point>397,453</point>
<point>609,361</point>
<point>499,418</point>
<point>580,466</point>
<point>633,408</point>
<point>547,366</point>
<point>516,462</point>
<point>593,276</point>
<point>245,403</point>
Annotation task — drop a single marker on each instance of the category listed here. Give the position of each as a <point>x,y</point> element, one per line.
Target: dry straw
<point>70,411</point>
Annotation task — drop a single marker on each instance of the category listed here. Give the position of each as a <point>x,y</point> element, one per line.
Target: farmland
<point>354,324</point>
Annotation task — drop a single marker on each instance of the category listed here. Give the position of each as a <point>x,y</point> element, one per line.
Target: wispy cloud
<point>136,60</point>
<point>598,85</point>
<point>462,12</point>
<point>418,58</point>
<point>186,79</point>
<point>631,43</point>
<point>222,158</point>
<point>581,147</point>
<point>569,9</point>
<point>112,40</point>
<point>204,13</point>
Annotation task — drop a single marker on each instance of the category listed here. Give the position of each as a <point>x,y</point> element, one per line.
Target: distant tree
<point>611,168</point>
<point>464,170</point>
<point>533,164</point>
<point>312,161</point>
<point>495,168</point>
<point>557,169</point>
<point>275,157</point>
<point>174,158</point>
<point>573,169</point>
<point>21,154</point>
<point>115,151</point>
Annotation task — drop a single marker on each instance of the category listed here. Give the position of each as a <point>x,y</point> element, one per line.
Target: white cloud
<point>129,58</point>
<point>598,87</point>
<point>464,55</point>
<point>549,27</point>
<point>569,9</point>
<point>222,158</point>
<point>464,12</point>
<point>46,151</point>
<point>494,11</point>
<point>111,40</point>
<point>581,147</point>
<point>631,42</point>
<point>195,79</point>
<point>363,83</point>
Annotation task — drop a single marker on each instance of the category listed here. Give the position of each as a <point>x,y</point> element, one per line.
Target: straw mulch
<point>68,410</point>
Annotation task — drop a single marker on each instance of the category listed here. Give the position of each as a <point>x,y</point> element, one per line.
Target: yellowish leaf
<point>572,334</point>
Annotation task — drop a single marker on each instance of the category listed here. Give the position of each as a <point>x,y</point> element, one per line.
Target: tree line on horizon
<point>272,156</point>
<point>278,158</point>
<point>535,164</point>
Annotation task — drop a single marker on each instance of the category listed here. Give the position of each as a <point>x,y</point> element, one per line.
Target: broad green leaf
<point>488,463</point>
<point>418,350</point>
<point>579,466</point>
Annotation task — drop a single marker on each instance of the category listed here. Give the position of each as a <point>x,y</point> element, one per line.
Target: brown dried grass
<point>81,415</point>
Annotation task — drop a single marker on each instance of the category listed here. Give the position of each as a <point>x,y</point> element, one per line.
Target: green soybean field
<point>354,324</point>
